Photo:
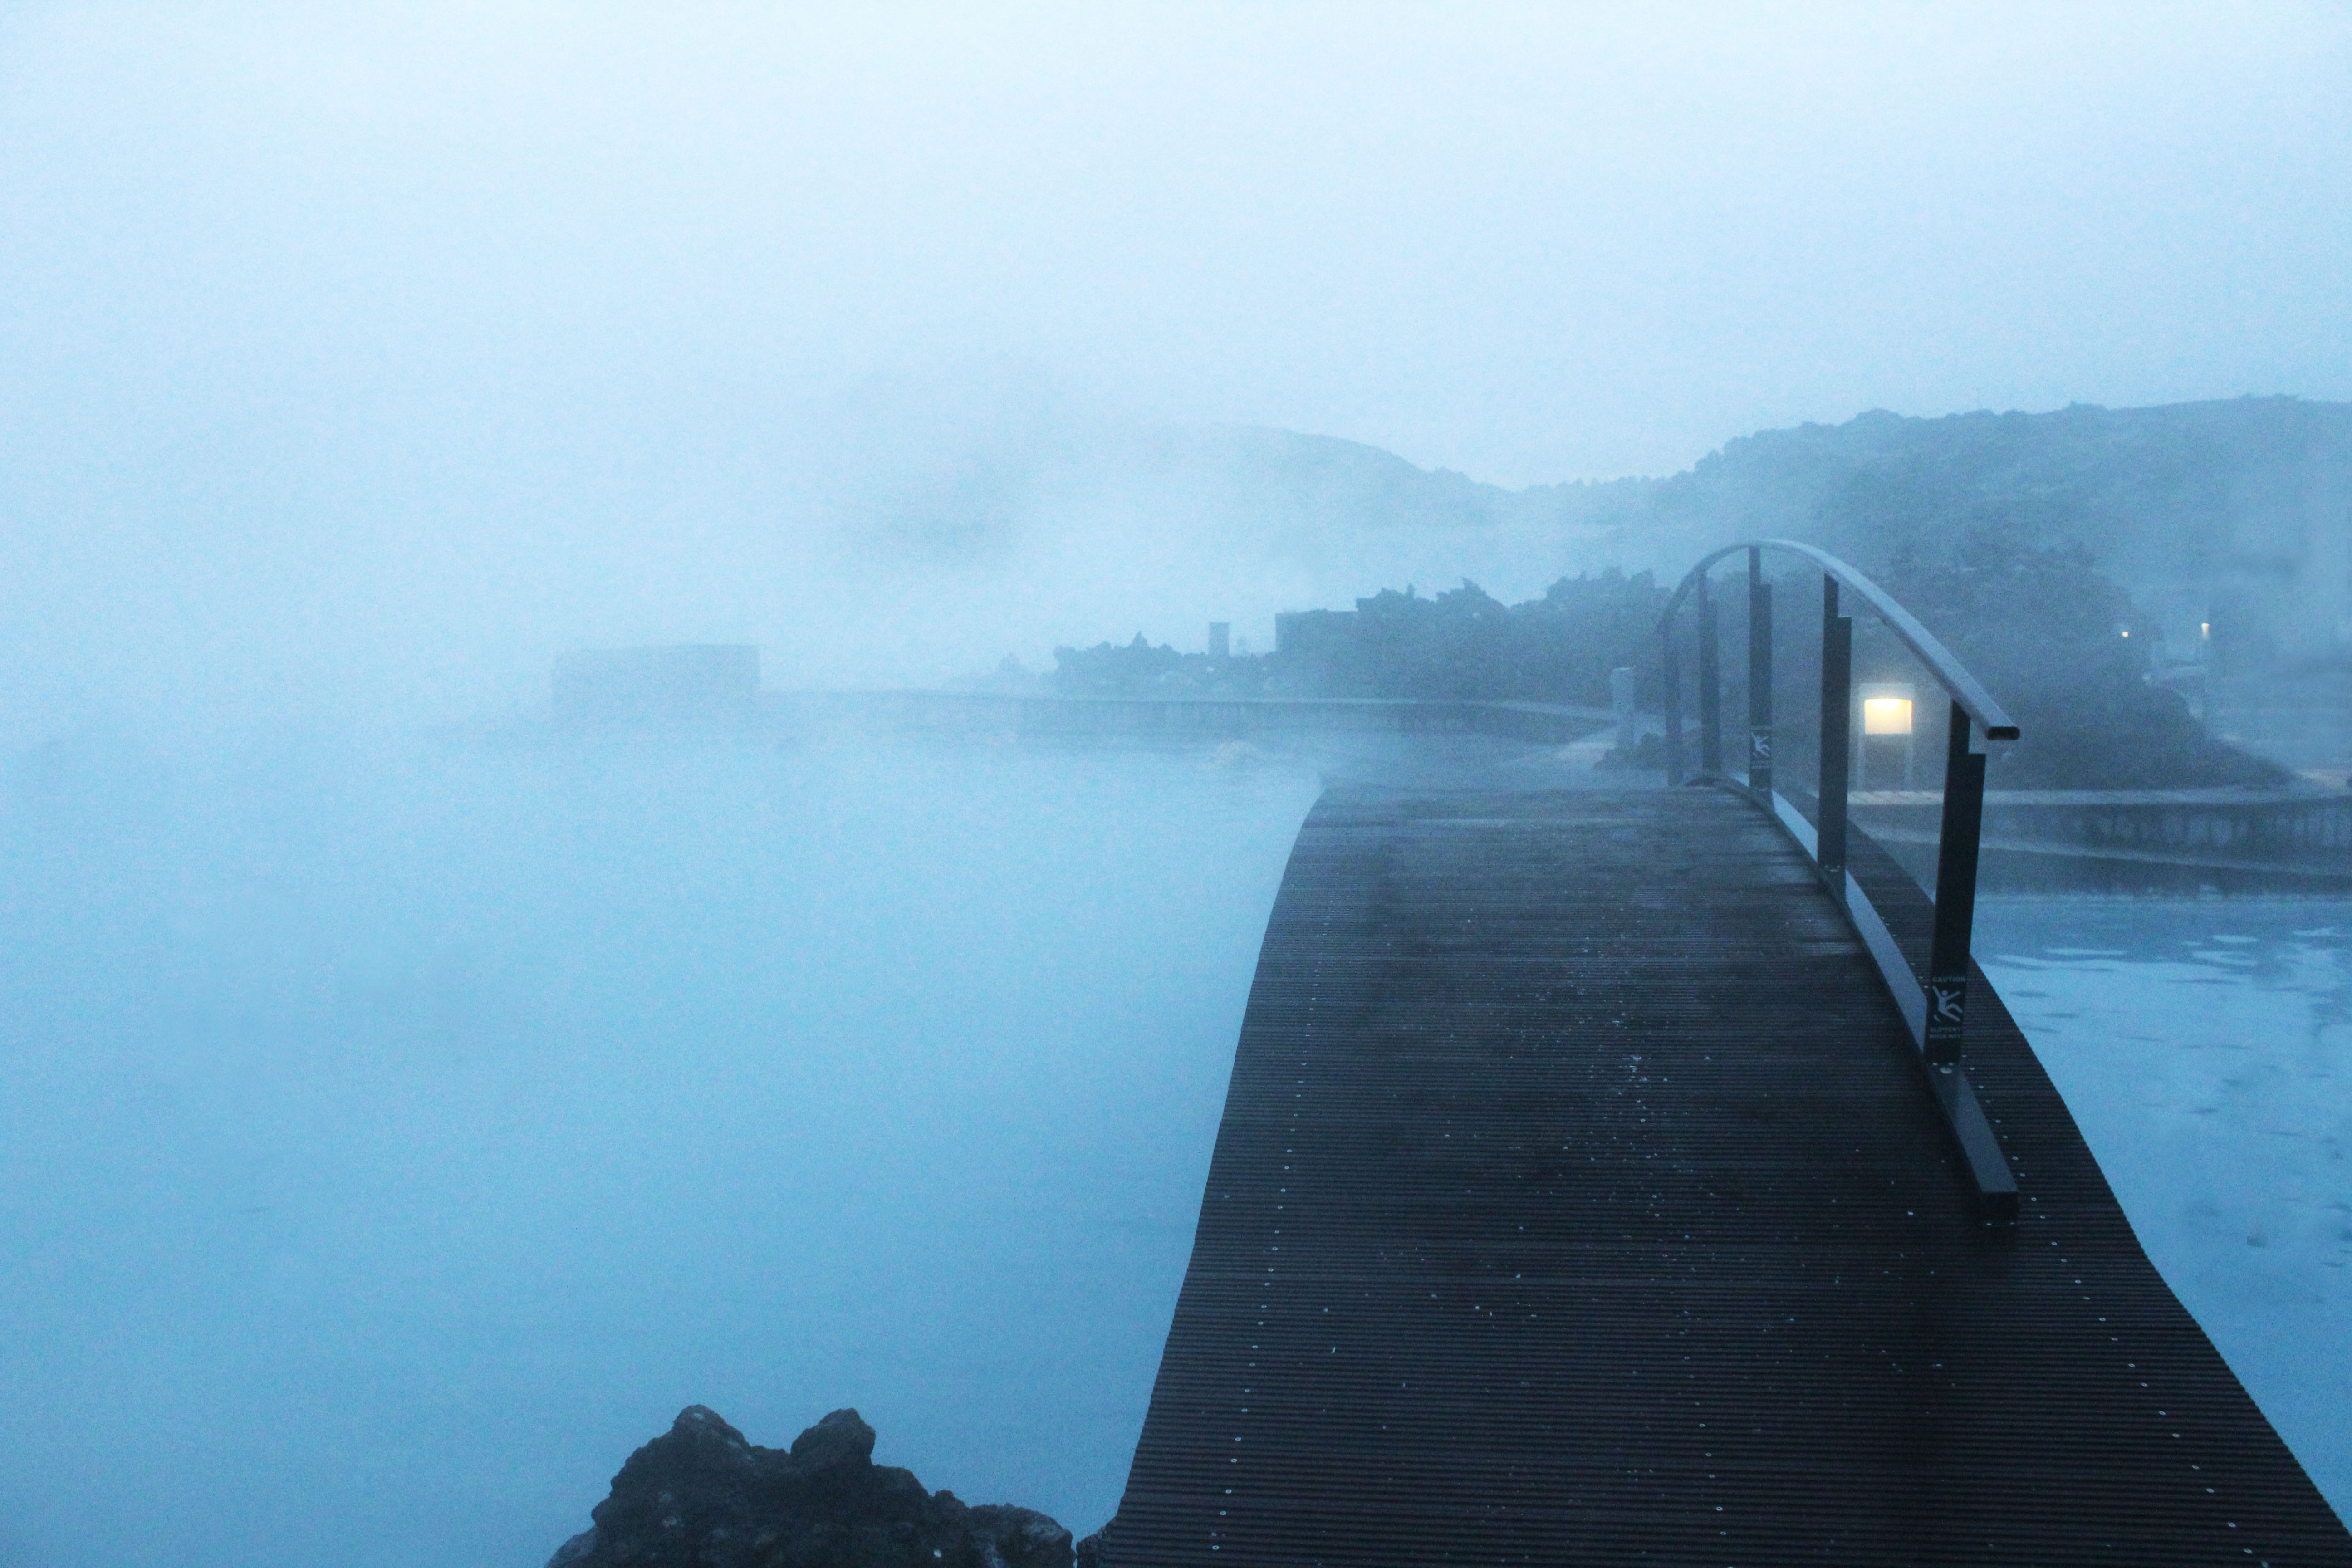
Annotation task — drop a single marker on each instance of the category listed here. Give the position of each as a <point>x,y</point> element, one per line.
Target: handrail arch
<point>1949,673</point>
<point>1934,1007</point>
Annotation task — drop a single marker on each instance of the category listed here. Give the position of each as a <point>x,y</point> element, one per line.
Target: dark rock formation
<point>703,1497</point>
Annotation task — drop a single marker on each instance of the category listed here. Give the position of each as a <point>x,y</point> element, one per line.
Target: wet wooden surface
<point>1578,1200</point>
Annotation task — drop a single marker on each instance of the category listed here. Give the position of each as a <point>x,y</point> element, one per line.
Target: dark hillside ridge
<point>2211,543</point>
<point>2237,514</point>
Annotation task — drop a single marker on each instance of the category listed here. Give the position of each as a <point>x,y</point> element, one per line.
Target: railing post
<point>1956,895</point>
<point>1837,736</point>
<point>1673,674</point>
<point>1710,687</point>
<point>1759,676</point>
<point>1934,1012</point>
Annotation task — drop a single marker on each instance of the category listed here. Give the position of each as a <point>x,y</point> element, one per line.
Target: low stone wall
<point>1239,718</point>
<point>2292,826</point>
<point>1213,719</point>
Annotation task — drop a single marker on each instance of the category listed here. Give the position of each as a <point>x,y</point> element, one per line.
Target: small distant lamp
<point>1885,716</point>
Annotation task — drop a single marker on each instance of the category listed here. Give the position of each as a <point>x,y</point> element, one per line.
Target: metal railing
<point>1935,1009</point>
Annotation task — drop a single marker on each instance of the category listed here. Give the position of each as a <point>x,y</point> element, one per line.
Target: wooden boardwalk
<point>1579,1200</point>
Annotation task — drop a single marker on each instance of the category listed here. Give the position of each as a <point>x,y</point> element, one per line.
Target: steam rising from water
<point>360,362</point>
<point>391,1143</point>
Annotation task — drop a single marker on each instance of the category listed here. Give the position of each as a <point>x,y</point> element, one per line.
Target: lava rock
<point>1009,1537</point>
<point>703,1496</point>
<point>841,1438</point>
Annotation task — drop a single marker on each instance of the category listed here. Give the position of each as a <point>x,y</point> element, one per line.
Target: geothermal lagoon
<point>397,1135</point>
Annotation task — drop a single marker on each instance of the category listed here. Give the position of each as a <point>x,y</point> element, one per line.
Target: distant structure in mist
<point>1312,631</point>
<point>687,683</point>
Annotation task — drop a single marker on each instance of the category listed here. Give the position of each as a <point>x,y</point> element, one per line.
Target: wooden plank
<point>1579,1200</point>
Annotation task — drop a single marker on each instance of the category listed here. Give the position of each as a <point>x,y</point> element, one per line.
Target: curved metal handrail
<point>1949,673</point>
<point>1934,1007</point>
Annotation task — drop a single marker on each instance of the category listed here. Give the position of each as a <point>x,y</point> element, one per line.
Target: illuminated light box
<point>1886,715</point>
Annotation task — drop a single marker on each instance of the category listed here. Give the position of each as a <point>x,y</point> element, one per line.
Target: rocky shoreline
<point>702,1496</point>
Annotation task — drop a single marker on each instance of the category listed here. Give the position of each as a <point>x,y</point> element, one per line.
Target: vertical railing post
<point>1837,736</point>
<point>1956,895</point>
<point>1759,676</point>
<point>1710,687</point>
<point>1671,673</point>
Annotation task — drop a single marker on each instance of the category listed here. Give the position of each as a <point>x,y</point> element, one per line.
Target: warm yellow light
<point>1886,715</point>
<point>2204,628</point>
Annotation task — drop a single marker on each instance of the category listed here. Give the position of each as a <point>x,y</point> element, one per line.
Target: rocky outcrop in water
<point>703,1497</point>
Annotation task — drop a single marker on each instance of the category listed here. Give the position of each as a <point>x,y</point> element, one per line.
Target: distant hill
<point>1089,533</point>
<point>2235,516</point>
<point>1030,530</point>
<point>2236,513</point>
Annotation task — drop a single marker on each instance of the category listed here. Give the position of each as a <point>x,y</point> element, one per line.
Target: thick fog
<point>392,1144</point>
<point>408,1108</point>
<point>363,359</point>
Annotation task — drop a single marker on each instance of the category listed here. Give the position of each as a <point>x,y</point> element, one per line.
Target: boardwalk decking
<point>1577,1201</point>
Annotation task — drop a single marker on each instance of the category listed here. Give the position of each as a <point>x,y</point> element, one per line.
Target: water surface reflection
<point>2205,1049</point>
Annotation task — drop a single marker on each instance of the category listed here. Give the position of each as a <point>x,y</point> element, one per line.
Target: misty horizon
<point>432,1062</point>
<point>361,366</point>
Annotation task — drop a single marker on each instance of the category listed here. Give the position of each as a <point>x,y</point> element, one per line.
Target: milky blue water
<point>2205,1049</point>
<point>391,1142</point>
<point>393,1138</point>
